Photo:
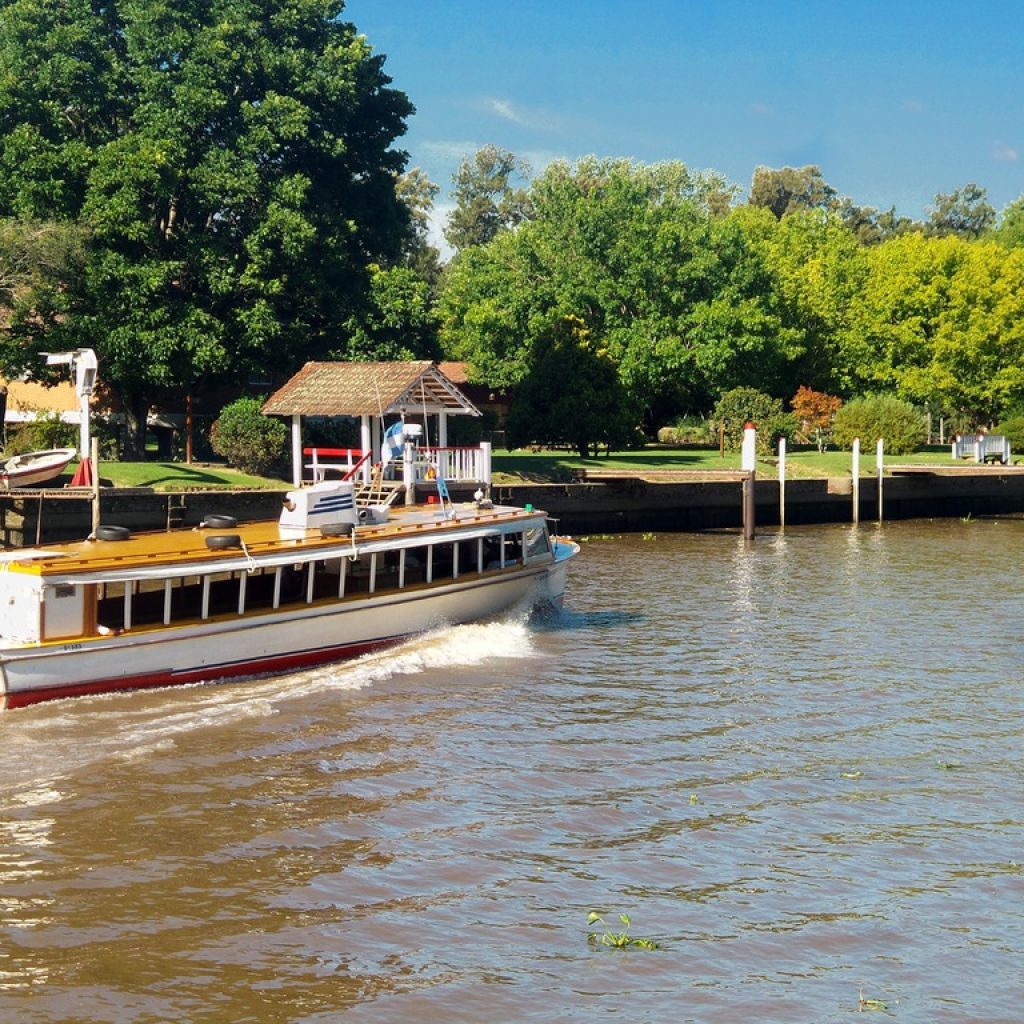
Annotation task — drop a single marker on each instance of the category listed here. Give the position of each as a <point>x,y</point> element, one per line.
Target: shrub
<point>247,439</point>
<point>896,422</point>
<point>47,430</point>
<point>766,413</point>
<point>814,411</point>
<point>689,430</point>
<point>1012,427</point>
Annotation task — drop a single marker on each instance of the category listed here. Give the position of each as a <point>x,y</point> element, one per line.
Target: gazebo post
<point>366,443</point>
<point>442,429</point>
<point>297,450</point>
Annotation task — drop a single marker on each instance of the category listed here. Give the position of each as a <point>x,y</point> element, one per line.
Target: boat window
<point>444,561</point>
<point>536,542</point>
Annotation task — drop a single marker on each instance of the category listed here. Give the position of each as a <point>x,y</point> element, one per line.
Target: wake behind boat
<point>321,584</point>
<point>31,468</point>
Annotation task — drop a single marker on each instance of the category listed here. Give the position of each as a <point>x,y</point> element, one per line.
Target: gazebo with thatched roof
<point>368,392</point>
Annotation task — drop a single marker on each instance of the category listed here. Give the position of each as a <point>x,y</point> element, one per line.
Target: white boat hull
<point>278,641</point>
<point>35,467</point>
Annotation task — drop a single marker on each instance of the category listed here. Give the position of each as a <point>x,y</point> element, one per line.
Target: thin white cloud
<point>1005,154</point>
<point>448,150</point>
<point>761,109</point>
<point>523,117</point>
<point>505,110</point>
<point>914,106</point>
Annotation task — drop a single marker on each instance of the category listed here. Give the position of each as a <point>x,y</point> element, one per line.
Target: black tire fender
<point>112,533</point>
<point>337,529</point>
<point>218,541</point>
<point>219,522</point>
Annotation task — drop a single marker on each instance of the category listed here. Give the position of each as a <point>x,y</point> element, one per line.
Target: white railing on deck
<point>459,465</point>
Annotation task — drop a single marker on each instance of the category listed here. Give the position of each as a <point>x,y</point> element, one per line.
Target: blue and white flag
<point>394,439</point>
<point>442,490</point>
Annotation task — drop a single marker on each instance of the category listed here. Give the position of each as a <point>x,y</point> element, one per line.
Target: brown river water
<point>796,766</point>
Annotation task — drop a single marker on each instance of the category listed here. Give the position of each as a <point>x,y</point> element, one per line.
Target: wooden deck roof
<point>368,389</point>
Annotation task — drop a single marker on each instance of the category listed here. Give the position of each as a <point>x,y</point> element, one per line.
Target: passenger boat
<point>31,468</point>
<point>326,581</point>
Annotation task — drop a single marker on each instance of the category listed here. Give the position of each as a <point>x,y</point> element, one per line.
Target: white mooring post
<point>855,483</point>
<point>879,465</point>
<point>748,463</point>
<point>782,483</point>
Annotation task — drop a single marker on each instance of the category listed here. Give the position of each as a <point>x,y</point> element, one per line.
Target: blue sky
<point>894,101</point>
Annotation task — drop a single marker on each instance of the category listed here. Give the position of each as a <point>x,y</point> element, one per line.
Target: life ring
<point>217,541</point>
<point>219,522</point>
<point>112,533</point>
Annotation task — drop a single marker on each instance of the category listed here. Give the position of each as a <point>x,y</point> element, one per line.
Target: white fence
<point>982,447</point>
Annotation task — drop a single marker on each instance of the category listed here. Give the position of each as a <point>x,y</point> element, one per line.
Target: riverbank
<point>612,501</point>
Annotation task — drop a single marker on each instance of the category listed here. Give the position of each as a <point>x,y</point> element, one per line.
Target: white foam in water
<point>44,746</point>
<point>449,647</point>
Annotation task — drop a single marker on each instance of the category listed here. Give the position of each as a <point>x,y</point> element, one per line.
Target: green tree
<point>887,340</point>
<point>572,393</point>
<point>233,161</point>
<point>417,193</point>
<point>870,226</point>
<point>964,212</point>
<point>400,321</point>
<point>37,256</point>
<point>786,190</point>
<point>675,293</point>
<point>486,200</point>
<point>1010,231</point>
<point>939,323</point>
<point>818,268</point>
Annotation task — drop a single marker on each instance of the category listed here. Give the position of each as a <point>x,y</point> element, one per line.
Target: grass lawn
<point>561,467</point>
<point>177,476</point>
<point>526,467</point>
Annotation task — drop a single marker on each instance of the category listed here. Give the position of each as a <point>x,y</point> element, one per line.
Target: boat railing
<point>458,465</point>
<point>344,461</point>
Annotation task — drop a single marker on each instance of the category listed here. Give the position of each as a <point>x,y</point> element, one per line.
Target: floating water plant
<point>870,1004</point>
<point>616,940</point>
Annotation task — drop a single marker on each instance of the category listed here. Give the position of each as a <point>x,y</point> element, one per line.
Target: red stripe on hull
<point>150,681</point>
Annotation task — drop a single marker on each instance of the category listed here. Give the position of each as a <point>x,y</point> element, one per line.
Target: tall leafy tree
<point>486,197</point>
<point>939,321</point>
<point>818,268</point>
<point>677,297</point>
<point>571,393</point>
<point>964,212</point>
<point>870,226</point>
<point>785,190</point>
<point>417,193</point>
<point>234,162</point>
<point>1010,231</point>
